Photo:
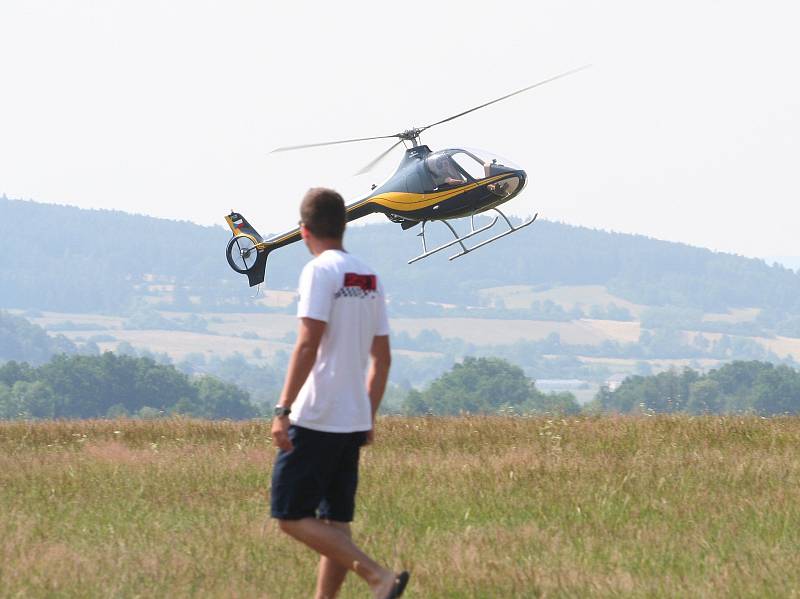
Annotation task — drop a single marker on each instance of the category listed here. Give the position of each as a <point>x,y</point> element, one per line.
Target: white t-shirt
<point>338,288</point>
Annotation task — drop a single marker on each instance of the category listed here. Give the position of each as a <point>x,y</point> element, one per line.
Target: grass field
<point>474,507</point>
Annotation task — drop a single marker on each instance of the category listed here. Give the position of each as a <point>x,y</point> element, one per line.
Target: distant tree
<point>705,397</point>
<point>485,386</point>
<point>610,311</point>
<point>756,387</point>
<point>216,399</point>
<point>117,411</point>
<point>14,371</point>
<point>393,398</point>
<point>262,382</point>
<point>8,407</point>
<point>615,312</point>
<point>111,385</point>
<point>480,385</point>
<point>148,413</point>
<point>24,341</point>
<point>548,310</point>
<point>777,391</point>
<point>661,393</point>
<point>415,405</point>
<point>561,404</point>
<point>124,348</point>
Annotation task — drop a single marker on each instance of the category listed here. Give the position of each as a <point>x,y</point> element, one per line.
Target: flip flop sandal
<point>399,585</point>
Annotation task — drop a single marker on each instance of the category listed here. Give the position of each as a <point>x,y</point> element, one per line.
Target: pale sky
<point>686,128</point>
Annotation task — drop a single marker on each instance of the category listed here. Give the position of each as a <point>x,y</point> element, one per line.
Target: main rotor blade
<point>524,89</point>
<point>375,161</point>
<point>329,143</point>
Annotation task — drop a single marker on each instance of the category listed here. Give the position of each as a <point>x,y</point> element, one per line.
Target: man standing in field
<point>327,408</point>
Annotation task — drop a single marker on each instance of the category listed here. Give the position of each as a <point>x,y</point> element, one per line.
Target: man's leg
<point>334,544</point>
<point>331,575</point>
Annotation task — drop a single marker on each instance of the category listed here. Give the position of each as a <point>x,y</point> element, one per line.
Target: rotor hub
<point>411,135</point>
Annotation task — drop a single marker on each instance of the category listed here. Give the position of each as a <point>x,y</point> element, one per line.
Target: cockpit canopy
<point>461,165</point>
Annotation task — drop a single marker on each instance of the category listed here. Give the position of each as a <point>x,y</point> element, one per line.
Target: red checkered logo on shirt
<point>356,285</point>
<point>363,282</point>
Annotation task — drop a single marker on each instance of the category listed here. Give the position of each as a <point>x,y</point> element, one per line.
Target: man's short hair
<point>322,213</point>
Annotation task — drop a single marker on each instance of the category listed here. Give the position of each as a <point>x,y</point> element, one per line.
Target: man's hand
<point>280,433</point>
<point>370,436</point>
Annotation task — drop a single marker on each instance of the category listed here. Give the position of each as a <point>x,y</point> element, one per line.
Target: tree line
<point>752,387</point>
<point>111,385</point>
<point>495,386</point>
<point>547,358</point>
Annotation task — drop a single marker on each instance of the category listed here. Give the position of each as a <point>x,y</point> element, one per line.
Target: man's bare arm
<point>381,355</point>
<point>302,360</point>
<point>300,364</point>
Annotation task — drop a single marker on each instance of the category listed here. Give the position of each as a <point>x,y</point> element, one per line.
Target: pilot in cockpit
<point>445,172</point>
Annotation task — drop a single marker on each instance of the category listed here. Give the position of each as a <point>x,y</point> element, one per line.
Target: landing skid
<point>473,231</point>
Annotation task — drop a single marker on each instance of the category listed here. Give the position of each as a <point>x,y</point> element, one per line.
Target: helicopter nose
<point>523,178</point>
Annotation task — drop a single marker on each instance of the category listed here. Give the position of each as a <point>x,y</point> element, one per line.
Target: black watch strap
<point>280,411</point>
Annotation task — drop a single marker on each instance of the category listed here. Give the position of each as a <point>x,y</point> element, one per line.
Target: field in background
<point>257,336</point>
<point>490,331</point>
<point>260,337</point>
<point>567,296</point>
<point>474,507</point>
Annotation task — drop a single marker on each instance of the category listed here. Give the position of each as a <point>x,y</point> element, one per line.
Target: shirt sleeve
<point>316,294</point>
<point>383,316</point>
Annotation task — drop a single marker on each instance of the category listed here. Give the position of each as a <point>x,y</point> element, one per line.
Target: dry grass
<point>733,315</point>
<point>475,507</point>
<point>223,340</point>
<point>178,344</point>
<point>501,331</point>
<point>567,296</point>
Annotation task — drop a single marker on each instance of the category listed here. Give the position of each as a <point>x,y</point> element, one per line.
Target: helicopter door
<point>414,183</point>
<point>444,171</point>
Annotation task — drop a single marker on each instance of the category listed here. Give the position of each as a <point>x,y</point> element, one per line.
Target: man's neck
<point>322,245</point>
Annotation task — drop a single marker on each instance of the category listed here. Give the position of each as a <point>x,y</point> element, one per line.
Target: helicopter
<point>426,186</point>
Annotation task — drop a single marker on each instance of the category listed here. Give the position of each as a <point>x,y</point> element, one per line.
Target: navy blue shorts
<point>318,478</point>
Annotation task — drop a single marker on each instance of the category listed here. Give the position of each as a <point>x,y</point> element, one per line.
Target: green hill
<point>25,342</point>
<point>73,260</point>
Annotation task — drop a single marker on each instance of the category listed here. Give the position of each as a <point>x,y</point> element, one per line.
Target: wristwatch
<point>280,411</point>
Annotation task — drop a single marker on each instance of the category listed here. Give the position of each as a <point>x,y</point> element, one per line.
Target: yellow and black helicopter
<point>426,186</point>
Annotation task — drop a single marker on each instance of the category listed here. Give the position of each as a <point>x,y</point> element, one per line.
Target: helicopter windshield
<point>490,158</point>
<point>470,164</point>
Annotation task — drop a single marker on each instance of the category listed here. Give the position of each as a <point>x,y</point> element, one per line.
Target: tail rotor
<point>242,253</point>
<point>246,251</point>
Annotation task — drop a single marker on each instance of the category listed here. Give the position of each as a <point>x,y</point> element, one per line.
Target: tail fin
<point>255,276</point>
<point>239,226</point>
<point>241,229</point>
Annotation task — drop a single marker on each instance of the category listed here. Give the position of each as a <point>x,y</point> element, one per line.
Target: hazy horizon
<point>791,262</point>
